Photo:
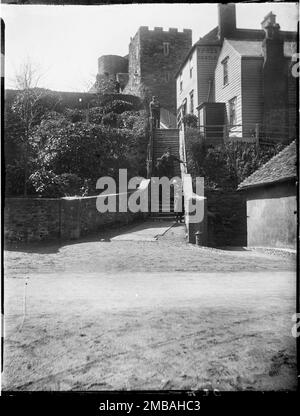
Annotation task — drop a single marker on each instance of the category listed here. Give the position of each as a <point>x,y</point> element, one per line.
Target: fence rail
<point>252,133</point>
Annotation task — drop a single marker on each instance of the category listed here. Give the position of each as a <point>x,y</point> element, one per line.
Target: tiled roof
<point>211,38</point>
<point>254,47</point>
<point>280,168</point>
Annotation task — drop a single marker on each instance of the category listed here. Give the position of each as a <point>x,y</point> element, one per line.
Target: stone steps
<point>164,139</point>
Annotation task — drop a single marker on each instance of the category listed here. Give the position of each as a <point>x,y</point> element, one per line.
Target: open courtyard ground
<point>129,313</point>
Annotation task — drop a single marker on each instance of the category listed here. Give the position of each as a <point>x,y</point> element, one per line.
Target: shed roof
<point>280,168</point>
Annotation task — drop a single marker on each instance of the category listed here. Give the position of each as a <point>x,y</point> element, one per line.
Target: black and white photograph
<point>149,200</point>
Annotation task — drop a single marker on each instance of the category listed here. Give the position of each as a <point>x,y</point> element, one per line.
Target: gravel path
<point>105,315</point>
<point>169,253</point>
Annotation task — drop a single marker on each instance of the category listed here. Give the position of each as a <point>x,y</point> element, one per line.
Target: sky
<point>64,42</point>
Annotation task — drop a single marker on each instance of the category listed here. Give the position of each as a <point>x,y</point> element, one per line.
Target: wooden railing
<point>249,133</point>
<point>150,147</point>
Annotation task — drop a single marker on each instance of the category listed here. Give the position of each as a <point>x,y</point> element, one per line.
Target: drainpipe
<point>209,89</point>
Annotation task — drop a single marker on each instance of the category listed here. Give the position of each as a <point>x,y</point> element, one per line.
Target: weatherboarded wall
<point>224,93</point>
<point>271,216</point>
<point>45,219</point>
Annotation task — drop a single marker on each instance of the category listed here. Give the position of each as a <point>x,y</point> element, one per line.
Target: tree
<point>29,106</point>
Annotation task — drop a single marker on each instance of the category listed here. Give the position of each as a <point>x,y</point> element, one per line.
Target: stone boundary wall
<point>70,99</point>
<point>45,219</point>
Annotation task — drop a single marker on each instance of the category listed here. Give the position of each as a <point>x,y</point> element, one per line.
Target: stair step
<point>163,214</point>
<point>163,217</point>
<point>171,129</point>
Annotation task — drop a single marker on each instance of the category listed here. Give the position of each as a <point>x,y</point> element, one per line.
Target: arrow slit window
<point>166,48</point>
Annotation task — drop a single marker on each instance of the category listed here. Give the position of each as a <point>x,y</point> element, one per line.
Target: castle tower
<point>113,67</point>
<point>154,57</point>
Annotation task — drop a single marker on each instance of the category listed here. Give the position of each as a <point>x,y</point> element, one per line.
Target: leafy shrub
<point>48,184</point>
<point>66,144</point>
<point>74,115</point>
<point>118,106</point>
<point>133,119</point>
<point>87,150</point>
<point>110,119</point>
<point>190,120</point>
<point>96,115</point>
<point>224,167</point>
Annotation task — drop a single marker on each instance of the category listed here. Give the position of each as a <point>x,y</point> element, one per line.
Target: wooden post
<point>257,135</point>
<point>224,133</point>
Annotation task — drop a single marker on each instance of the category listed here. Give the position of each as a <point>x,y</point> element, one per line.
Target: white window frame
<point>232,118</point>
<point>192,102</point>
<point>225,71</point>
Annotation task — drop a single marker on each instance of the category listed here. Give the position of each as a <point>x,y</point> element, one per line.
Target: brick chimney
<point>275,89</point>
<point>273,41</point>
<point>226,20</point>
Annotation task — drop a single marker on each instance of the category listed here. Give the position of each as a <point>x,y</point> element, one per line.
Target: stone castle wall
<point>112,64</point>
<point>152,66</point>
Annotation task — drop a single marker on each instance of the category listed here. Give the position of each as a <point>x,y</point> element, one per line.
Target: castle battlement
<point>149,68</point>
<point>160,29</point>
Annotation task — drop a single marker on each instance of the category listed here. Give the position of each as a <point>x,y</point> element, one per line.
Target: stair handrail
<point>182,150</point>
<point>150,147</point>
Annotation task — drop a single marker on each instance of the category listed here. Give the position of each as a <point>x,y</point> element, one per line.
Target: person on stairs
<point>165,164</point>
<point>155,112</point>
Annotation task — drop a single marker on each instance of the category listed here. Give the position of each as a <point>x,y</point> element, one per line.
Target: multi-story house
<point>247,70</point>
<point>254,79</point>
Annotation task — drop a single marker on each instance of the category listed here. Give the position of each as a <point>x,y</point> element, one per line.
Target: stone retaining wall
<point>44,219</point>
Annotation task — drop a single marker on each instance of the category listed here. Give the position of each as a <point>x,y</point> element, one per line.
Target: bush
<point>224,167</point>
<point>110,119</point>
<point>118,106</point>
<point>60,145</point>
<point>74,115</point>
<point>49,185</point>
<point>87,150</point>
<point>133,120</point>
<point>190,120</point>
<point>96,115</point>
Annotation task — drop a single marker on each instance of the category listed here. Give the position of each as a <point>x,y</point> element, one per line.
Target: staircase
<point>165,213</point>
<point>163,140</point>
